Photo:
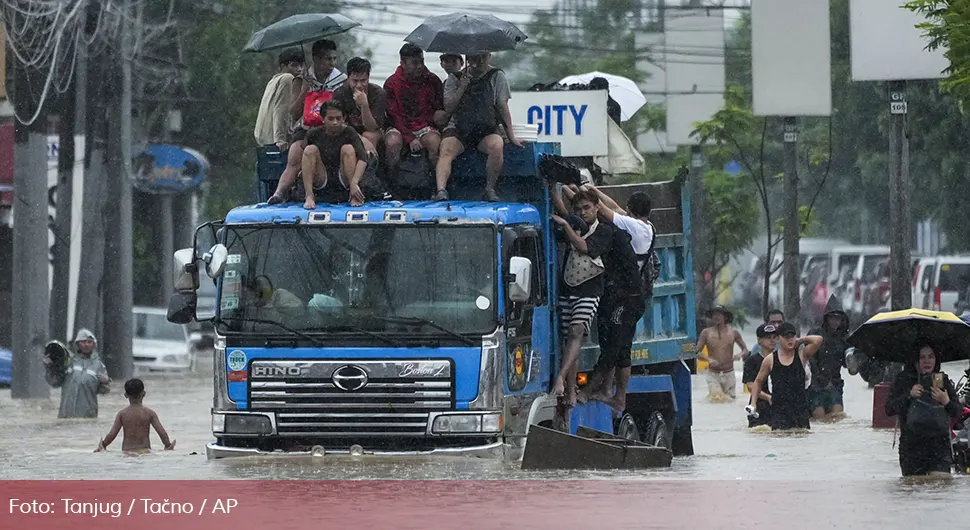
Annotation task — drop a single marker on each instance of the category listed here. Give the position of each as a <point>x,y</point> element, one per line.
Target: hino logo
<point>349,378</point>
<point>277,371</point>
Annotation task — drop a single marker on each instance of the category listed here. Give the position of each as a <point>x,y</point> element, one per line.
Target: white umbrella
<point>624,91</point>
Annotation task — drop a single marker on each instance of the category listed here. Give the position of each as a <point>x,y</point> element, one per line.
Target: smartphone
<point>938,381</point>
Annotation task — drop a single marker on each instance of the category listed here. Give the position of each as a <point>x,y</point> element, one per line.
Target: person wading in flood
<point>767,339</point>
<point>786,369</point>
<point>720,339</point>
<point>85,377</point>
<point>825,392</point>
<point>925,401</point>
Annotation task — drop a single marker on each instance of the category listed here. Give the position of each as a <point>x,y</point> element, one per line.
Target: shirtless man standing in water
<point>135,420</point>
<point>720,339</point>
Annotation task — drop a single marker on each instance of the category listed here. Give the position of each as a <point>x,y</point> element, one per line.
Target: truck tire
<point>626,427</point>
<point>656,431</point>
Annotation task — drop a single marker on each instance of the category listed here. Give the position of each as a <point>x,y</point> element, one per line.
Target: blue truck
<point>421,327</point>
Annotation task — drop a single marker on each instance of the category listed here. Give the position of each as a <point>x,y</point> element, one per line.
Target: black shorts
<point>616,325</point>
<point>470,139</point>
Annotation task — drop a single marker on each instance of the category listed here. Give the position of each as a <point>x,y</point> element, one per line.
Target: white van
<point>851,266</point>
<point>950,276</point>
<point>923,273</point>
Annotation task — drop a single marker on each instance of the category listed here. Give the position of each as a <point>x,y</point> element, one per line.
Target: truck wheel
<point>626,427</point>
<point>656,432</point>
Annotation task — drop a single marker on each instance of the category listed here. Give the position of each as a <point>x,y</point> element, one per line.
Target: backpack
<point>650,271</point>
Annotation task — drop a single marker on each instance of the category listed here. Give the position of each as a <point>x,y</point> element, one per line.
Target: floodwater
<point>848,456</point>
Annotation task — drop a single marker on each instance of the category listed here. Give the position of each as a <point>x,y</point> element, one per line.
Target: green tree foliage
<point>948,27</point>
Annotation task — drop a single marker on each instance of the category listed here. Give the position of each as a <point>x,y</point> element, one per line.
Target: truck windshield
<point>360,278</point>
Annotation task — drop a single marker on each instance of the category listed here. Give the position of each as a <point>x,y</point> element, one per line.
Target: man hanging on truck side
<point>626,297</point>
<point>582,285</point>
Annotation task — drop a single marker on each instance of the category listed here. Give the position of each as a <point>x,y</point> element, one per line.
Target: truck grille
<point>351,398</point>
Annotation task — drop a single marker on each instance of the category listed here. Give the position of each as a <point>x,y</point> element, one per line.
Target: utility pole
<point>900,224</point>
<point>87,308</point>
<point>61,253</point>
<point>30,304</point>
<point>790,269</point>
<point>117,299</point>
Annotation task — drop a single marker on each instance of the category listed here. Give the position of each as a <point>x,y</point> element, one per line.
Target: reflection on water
<point>36,445</point>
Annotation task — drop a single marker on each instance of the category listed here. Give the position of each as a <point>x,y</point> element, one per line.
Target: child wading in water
<point>135,420</point>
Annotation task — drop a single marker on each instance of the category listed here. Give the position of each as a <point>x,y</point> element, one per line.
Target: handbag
<point>927,417</point>
<point>311,107</point>
<point>580,268</point>
<point>414,172</point>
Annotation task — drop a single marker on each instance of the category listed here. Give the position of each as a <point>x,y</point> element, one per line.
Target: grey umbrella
<point>466,34</point>
<point>299,29</point>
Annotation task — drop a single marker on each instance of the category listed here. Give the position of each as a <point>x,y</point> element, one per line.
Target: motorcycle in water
<point>960,429</point>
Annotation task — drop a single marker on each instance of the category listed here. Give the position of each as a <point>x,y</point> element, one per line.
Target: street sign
<point>169,169</point>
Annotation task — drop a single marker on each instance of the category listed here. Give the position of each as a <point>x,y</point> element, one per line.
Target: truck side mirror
<point>852,361</point>
<point>186,271</point>
<point>181,307</point>
<point>520,284</point>
<point>215,260</point>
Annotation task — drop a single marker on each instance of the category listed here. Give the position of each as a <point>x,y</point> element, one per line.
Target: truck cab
<point>420,327</point>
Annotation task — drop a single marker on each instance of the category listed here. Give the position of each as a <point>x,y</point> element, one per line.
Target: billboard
<point>694,62</point>
<point>791,63</point>
<point>574,118</point>
<point>887,46</point>
<point>654,88</point>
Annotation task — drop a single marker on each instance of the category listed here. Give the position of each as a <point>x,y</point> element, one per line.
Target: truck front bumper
<point>492,450</point>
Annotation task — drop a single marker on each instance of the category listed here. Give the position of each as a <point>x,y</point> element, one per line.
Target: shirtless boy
<point>135,420</point>
<point>720,339</point>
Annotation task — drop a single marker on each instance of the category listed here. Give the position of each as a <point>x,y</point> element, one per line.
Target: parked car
<point>159,345</point>
<point>951,275</point>
<point>923,273</point>
<point>6,367</point>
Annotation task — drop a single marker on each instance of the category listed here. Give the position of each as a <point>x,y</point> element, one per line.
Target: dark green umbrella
<point>299,29</point>
<point>467,34</point>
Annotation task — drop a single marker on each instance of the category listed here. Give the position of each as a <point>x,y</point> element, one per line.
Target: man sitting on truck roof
<point>414,94</point>
<point>335,162</point>
<point>324,54</point>
<point>479,104</point>
<point>582,284</point>
<point>274,121</point>
<point>364,102</point>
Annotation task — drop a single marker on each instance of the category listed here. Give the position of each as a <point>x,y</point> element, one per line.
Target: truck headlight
<point>218,422</point>
<point>242,424</point>
<point>467,423</point>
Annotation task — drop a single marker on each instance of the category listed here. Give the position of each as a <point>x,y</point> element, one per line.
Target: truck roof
<point>392,211</point>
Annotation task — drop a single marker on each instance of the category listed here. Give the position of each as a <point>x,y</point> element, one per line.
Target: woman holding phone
<point>926,402</point>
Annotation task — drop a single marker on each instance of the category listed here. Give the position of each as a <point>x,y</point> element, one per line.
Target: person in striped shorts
<point>581,285</point>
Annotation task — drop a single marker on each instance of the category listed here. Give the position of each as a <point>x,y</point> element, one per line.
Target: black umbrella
<point>299,29</point>
<point>466,34</point>
<point>898,336</point>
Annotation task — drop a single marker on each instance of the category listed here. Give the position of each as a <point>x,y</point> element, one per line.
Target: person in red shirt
<point>414,94</point>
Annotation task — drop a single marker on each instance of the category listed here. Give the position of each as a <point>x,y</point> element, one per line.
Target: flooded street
<point>851,457</point>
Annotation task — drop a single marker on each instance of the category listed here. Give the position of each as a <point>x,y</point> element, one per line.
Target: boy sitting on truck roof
<point>335,162</point>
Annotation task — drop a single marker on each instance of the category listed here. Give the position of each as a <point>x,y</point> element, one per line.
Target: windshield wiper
<point>356,329</point>
<point>314,340</point>
<point>426,322</point>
